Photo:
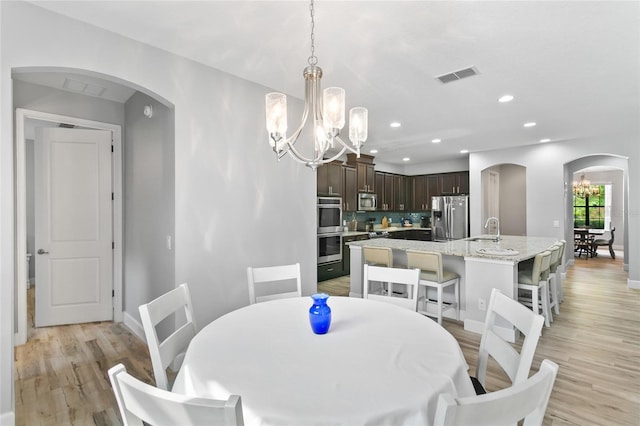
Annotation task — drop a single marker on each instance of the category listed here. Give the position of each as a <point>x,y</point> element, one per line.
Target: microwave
<point>329,212</point>
<point>367,202</point>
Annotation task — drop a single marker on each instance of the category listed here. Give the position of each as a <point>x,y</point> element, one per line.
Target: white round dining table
<point>378,364</point>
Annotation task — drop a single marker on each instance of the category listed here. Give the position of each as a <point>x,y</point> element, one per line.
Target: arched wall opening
<point>504,195</point>
<point>144,163</point>
<point>614,163</point>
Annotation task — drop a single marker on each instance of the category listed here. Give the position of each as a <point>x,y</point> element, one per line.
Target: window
<point>593,211</point>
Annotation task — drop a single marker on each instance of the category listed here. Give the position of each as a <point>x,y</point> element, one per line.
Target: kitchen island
<point>481,262</point>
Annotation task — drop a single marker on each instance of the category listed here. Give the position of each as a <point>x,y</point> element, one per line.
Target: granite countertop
<point>526,247</point>
<point>389,229</point>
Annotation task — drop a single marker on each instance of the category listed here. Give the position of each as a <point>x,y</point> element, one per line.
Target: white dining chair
<point>273,277</point>
<point>171,349</point>
<point>515,364</point>
<point>526,401</point>
<point>140,402</point>
<point>408,278</point>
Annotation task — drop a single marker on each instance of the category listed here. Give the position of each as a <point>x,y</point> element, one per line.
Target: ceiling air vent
<point>66,126</point>
<point>457,75</point>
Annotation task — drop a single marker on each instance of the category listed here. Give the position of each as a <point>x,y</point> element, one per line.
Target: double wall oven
<point>329,214</point>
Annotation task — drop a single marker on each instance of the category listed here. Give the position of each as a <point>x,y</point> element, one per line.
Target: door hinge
<point>112,197</point>
<point>111,148</point>
<point>113,293</point>
<point>113,244</point>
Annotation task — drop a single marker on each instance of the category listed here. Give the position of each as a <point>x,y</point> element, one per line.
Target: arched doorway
<point>602,168</point>
<point>43,90</point>
<point>504,195</point>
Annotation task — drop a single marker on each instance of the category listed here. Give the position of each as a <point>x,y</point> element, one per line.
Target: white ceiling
<point>573,66</point>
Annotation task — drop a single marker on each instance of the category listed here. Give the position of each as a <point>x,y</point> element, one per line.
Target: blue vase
<point>320,314</point>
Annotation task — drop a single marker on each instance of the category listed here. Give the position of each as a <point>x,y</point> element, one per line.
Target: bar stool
<point>556,274</point>
<point>378,256</point>
<point>536,282</point>
<point>432,274</point>
<point>552,281</point>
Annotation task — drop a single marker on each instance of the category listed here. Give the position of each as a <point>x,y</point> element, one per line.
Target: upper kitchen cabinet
<point>425,187</point>
<point>402,193</point>
<point>350,196</point>
<point>330,179</point>
<point>365,172</point>
<point>454,183</point>
<point>385,191</point>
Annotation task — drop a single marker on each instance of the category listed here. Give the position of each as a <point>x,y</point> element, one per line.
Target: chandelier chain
<point>313,60</point>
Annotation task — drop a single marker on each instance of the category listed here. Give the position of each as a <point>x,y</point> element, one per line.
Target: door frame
<point>21,211</point>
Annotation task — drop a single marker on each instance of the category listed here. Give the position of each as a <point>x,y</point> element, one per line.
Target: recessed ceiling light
<point>406,159</point>
<point>529,124</point>
<point>436,140</point>
<point>505,98</point>
<point>395,124</point>
<point>374,151</point>
<point>464,151</point>
<point>545,140</point>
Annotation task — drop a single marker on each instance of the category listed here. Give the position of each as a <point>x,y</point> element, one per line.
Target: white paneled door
<point>73,226</point>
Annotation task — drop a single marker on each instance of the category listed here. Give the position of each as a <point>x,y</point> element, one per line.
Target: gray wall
<point>513,200</point>
<point>548,189</point>
<point>149,202</point>
<point>235,205</point>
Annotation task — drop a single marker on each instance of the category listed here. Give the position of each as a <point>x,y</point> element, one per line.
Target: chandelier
<point>584,188</point>
<point>326,112</point>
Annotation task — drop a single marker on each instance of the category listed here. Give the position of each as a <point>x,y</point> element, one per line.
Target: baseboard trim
<point>134,325</point>
<point>634,284</point>
<point>8,418</point>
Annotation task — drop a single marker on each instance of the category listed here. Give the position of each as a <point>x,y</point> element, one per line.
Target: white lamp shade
<point>276,110</point>
<point>358,125</point>
<point>333,108</point>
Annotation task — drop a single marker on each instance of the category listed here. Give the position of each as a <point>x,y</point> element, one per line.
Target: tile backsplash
<point>394,217</point>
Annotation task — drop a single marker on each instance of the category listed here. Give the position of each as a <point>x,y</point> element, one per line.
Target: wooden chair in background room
<point>433,275</point>
<point>533,285</point>
<point>515,364</point>
<point>602,242</point>
<point>140,402</point>
<point>523,403</point>
<point>408,278</point>
<point>176,303</point>
<point>378,256</point>
<point>583,243</point>
<point>267,276</point>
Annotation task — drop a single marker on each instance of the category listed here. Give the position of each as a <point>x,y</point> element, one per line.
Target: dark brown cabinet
<point>329,179</point>
<point>350,196</point>
<point>365,177</point>
<point>386,191</point>
<point>424,187</point>
<point>401,192</point>
<point>454,183</point>
<point>365,172</point>
<point>346,253</point>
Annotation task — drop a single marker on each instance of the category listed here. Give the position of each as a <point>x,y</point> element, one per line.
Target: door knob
<point>40,251</point>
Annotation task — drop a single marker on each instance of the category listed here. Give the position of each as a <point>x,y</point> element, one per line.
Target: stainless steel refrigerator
<point>450,217</point>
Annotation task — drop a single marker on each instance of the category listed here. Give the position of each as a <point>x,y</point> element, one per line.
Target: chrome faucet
<point>486,225</point>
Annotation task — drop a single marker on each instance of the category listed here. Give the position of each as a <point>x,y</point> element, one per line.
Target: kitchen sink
<point>494,239</point>
<point>497,251</point>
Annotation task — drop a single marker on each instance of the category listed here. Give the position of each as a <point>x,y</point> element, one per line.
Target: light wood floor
<point>595,340</point>
<point>61,372</point>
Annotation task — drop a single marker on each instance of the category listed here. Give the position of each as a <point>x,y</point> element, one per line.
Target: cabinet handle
<point>330,269</point>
